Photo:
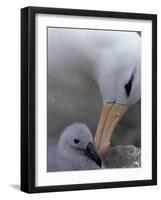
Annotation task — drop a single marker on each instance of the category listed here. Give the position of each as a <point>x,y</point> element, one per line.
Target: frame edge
<point>27,101</point>
<point>24,100</point>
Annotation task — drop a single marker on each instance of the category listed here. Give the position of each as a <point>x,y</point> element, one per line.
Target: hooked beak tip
<point>92,154</point>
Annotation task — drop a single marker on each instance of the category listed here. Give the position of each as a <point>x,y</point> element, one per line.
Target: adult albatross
<point>119,79</point>
<point>111,59</point>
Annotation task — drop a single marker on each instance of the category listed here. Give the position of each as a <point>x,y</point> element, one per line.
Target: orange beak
<point>110,116</point>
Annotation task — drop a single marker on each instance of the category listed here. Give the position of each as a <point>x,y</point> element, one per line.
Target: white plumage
<point>107,57</point>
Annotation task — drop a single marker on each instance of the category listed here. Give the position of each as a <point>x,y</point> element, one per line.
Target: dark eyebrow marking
<point>128,85</point>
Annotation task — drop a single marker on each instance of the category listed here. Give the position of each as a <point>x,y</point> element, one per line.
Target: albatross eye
<point>128,88</point>
<point>76,141</point>
<point>128,85</point>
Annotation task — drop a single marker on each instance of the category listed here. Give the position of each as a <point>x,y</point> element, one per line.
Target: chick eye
<point>76,141</point>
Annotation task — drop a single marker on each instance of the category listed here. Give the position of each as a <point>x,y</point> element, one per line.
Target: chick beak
<point>91,153</point>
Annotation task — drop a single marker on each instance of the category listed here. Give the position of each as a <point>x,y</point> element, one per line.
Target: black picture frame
<point>28,98</point>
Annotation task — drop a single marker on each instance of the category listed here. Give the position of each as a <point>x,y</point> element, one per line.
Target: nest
<point>122,156</point>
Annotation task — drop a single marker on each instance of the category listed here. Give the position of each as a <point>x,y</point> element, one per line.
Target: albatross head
<point>76,140</point>
<point>119,82</point>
